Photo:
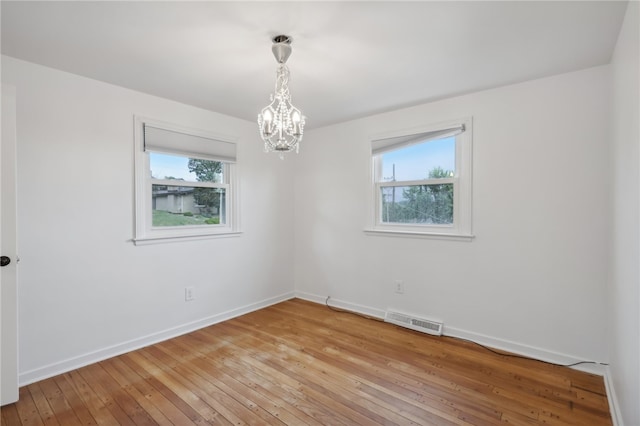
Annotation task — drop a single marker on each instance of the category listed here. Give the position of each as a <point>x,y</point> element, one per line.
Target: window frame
<point>461,228</point>
<point>145,232</point>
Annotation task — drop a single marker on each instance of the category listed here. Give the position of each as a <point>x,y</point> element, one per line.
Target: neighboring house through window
<point>185,183</point>
<point>422,181</point>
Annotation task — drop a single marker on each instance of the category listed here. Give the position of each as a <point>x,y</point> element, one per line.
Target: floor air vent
<point>414,323</point>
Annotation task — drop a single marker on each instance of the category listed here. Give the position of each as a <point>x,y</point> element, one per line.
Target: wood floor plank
<point>156,396</point>
<point>44,409</point>
<point>27,410</point>
<point>341,383</point>
<point>98,409</point>
<point>111,395</point>
<point>391,400</point>
<point>265,410</point>
<point>330,412</point>
<point>411,384</point>
<point>9,415</point>
<point>75,402</point>
<point>260,379</point>
<point>58,403</point>
<point>127,379</point>
<point>185,400</point>
<point>301,363</point>
<point>214,403</point>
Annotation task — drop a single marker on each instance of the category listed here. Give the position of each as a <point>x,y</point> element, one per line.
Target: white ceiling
<point>349,60</point>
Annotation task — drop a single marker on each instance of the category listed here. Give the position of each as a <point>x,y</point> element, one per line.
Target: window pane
<point>164,166</point>
<point>424,204</point>
<point>428,160</point>
<point>187,206</point>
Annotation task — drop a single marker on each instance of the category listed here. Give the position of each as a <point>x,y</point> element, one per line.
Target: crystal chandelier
<point>281,124</point>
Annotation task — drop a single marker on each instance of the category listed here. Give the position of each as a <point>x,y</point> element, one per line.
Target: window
<point>422,182</point>
<point>184,183</point>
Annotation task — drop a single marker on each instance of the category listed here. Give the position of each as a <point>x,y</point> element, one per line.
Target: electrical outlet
<point>189,294</point>
<point>399,286</point>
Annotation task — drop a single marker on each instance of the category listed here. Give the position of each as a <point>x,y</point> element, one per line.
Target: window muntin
<point>184,183</point>
<point>422,181</point>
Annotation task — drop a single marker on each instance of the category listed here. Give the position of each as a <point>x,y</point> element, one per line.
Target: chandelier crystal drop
<point>281,124</point>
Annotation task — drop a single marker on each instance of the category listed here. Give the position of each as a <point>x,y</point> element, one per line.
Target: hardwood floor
<point>299,363</point>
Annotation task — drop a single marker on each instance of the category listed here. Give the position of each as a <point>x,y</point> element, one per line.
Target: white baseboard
<point>614,407</point>
<point>492,342</point>
<point>524,350</point>
<point>377,313</point>
<point>70,364</point>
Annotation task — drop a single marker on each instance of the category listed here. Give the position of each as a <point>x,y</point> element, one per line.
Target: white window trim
<point>145,233</point>
<point>461,229</point>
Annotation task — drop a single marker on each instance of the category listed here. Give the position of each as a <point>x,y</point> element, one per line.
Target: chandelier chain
<point>282,82</point>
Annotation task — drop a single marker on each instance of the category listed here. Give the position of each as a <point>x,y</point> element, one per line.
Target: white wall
<point>533,278</point>
<point>85,291</point>
<point>625,253</point>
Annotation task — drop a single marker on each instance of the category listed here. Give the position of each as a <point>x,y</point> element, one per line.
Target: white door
<point>8,288</point>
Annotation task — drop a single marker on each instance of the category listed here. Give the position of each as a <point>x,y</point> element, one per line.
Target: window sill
<point>143,241</point>
<point>419,234</point>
